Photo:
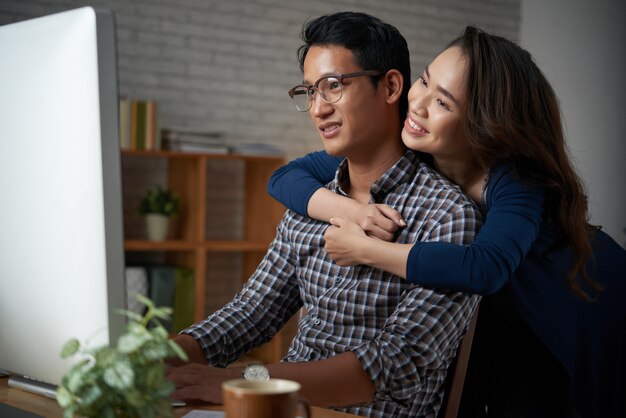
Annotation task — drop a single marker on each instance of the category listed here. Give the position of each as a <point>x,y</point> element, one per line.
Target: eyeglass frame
<point>339,77</point>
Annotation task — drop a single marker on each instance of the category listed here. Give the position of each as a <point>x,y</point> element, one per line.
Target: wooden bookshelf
<point>190,247</point>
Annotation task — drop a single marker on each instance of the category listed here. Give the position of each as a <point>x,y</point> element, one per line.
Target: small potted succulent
<point>124,380</point>
<point>158,206</point>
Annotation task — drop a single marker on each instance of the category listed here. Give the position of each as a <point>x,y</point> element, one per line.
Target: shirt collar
<point>400,173</point>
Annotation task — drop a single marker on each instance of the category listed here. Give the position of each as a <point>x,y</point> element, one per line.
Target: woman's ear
<point>393,85</point>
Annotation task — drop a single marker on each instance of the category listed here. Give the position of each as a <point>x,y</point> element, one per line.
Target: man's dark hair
<point>376,45</point>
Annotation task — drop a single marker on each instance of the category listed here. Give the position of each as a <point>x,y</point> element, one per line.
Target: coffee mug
<point>273,398</point>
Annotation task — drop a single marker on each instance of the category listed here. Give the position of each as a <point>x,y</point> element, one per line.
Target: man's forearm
<point>337,381</point>
<point>334,382</point>
<point>189,346</point>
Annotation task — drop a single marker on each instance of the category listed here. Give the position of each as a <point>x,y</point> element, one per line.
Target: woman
<point>490,122</point>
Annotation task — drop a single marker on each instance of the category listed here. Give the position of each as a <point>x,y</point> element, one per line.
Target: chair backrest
<point>456,374</point>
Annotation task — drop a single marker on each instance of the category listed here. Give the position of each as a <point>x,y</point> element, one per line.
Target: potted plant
<point>127,380</point>
<point>158,206</point>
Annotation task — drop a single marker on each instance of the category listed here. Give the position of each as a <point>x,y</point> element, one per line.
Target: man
<point>370,343</point>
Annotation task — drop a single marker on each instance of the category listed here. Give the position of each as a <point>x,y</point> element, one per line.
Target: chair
<point>456,373</point>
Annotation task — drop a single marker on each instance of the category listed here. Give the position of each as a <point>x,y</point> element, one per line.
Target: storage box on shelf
<point>191,242</point>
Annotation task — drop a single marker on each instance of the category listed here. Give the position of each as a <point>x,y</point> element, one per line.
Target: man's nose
<point>319,106</point>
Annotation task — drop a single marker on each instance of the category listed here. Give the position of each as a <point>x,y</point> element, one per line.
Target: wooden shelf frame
<point>186,176</point>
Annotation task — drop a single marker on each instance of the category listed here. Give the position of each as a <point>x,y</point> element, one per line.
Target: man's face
<point>356,124</point>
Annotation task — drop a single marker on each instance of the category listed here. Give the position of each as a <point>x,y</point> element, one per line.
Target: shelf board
<point>224,245</point>
<point>170,245</point>
<point>235,246</point>
<point>178,154</point>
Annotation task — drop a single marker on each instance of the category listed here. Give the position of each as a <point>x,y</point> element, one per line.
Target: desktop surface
<point>39,405</point>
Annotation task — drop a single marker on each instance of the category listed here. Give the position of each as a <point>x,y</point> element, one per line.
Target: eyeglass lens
<point>329,89</point>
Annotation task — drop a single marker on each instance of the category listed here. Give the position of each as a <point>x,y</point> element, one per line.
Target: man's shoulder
<point>431,182</point>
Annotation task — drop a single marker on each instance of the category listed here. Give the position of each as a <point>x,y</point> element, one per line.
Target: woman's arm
<point>295,183</point>
<point>299,186</point>
<point>512,225</point>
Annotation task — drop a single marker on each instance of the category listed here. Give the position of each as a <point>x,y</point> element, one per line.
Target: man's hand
<point>378,220</point>
<point>344,241</point>
<point>199,382</point>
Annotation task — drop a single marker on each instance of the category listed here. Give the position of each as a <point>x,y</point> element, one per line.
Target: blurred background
<point>224,67</point>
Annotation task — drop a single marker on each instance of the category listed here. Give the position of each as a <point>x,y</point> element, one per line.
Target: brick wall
<point>226,66</point>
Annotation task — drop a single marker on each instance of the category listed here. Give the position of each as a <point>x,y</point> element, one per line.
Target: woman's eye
<point>334,85</point>
<point>423,81</point>
<point>443,104</point>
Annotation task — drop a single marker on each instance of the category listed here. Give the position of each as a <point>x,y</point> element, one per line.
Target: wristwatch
<point>256,372</point>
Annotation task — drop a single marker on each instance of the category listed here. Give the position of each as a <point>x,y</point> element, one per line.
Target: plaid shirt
<point>405,336</point>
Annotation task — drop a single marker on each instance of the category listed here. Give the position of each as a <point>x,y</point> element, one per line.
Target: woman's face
<point>437,100</point>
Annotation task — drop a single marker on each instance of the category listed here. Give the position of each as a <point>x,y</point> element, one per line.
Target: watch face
<point>256,372</point>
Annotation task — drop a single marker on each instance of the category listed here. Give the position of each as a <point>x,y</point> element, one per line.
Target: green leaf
<point>91,395</point>
<point>134,398</point>
<point>70,412</point>
<point>70,348</point>
<point>159,332</point>
<point>105,357</point>
<point>75,379</point>
<point>178,350</point>
<point>164,408</point>
<point>120,376</point>
<point>129,343</point>
<point>133,316</point>
<point>163,312</point>
<point>64,397</point>
<point>155,353</point>
<point>143,299</point>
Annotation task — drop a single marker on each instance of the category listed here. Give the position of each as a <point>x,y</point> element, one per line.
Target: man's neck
<point>364,170</point>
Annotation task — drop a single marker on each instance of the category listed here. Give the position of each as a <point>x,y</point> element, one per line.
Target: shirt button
<point>339,278</point>
<point>317,321</point>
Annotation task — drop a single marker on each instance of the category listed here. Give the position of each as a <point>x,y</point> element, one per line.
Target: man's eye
<point>334,84</point>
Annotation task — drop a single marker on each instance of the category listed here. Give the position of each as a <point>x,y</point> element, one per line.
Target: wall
<point>580,46</point>
<point>226,66</point>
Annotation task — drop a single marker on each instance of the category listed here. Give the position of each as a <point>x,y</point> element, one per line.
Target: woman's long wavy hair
<point>513,118</point>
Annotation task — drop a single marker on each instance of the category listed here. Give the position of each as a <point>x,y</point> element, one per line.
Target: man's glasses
<point>330,89</point>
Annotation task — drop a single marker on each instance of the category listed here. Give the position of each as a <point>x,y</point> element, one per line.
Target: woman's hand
<point>344,241</point>
<point>348,245</point>
<point>378,220</point>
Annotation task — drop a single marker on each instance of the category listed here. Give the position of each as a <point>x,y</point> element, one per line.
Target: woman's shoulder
<point>504,185</point>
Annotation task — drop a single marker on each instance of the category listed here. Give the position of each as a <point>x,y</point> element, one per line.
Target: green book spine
<point>184,296</point>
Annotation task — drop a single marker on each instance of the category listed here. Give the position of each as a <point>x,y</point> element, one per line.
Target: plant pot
<point>157,226</point>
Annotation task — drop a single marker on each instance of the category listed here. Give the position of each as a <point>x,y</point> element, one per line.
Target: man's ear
<point>393,82</point>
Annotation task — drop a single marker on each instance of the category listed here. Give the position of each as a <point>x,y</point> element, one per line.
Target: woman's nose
<point>418,103</point>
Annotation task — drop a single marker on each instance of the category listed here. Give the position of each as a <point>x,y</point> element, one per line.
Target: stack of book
<point>187,141</point>
<point>139,125</point>
<point>257,148</point>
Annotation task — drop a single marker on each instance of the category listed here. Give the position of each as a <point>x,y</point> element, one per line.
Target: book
<point>162,284</point>
<point>139,125</point>
<point>184,296</point>
<point>257,148</point>
<point>136,283</point>
<point>125,124</point>
<point>186,141</point>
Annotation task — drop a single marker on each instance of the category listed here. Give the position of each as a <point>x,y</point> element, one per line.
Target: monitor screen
<point>61,239</point>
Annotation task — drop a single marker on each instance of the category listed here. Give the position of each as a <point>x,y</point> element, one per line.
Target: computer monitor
<point>61,239</point>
